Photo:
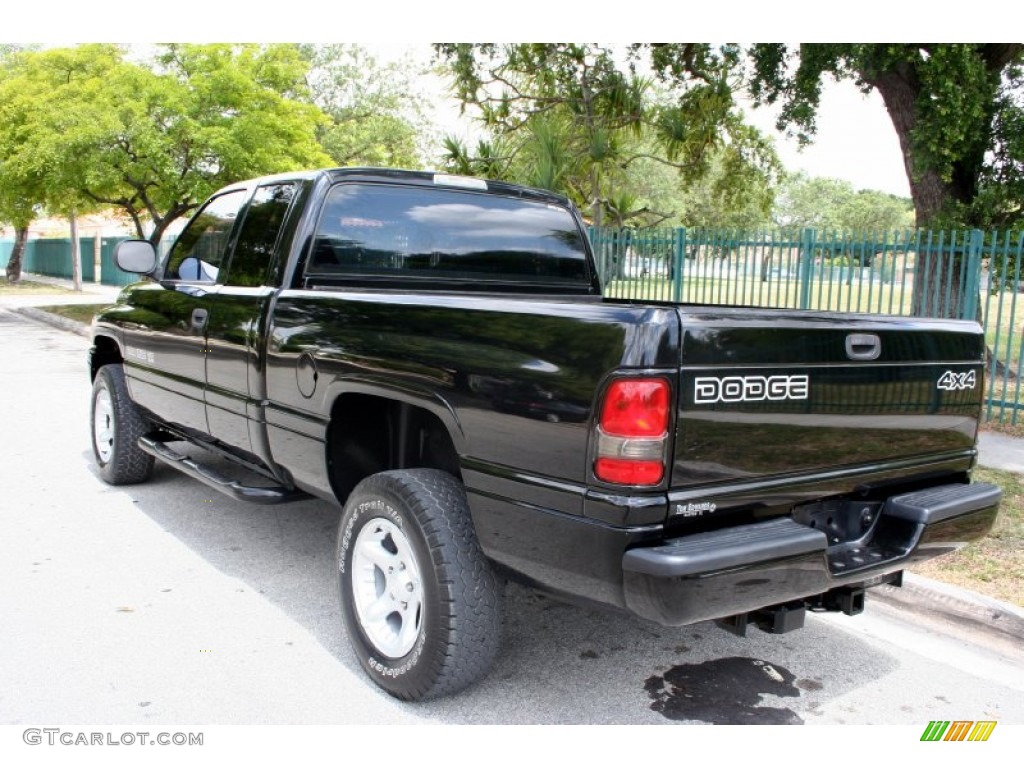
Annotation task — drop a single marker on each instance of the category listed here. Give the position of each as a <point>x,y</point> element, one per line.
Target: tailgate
<point>782,393</point>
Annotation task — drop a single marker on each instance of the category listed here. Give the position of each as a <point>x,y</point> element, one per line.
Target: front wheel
<point>117,426</point>
<point>422,606</point>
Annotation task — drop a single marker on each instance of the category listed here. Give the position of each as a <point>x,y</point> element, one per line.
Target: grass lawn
<point>993,566</point>
<point>81,312</point>
<point>26,287</point>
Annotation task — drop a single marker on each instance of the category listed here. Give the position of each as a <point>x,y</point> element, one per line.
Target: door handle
<point>199,317</point>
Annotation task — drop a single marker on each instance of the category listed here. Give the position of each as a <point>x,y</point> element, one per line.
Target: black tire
<point>449,632</point>
<point>116,426</point>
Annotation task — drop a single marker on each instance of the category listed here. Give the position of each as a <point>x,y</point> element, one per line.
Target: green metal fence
<point>51,256</point>
<point>964,274</point>
<point>1003,284</point>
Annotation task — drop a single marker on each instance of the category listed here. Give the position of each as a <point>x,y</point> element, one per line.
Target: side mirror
<point>136,256</point>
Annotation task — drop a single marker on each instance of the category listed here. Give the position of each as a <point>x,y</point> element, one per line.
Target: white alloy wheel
<point>103,424</point>
<point>387,588</point>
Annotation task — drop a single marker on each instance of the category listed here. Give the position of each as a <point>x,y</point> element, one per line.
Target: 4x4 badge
<point>952,381</point>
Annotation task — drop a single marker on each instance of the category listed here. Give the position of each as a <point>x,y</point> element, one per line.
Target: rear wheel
<point>117,426</point>
<point>422,606</point>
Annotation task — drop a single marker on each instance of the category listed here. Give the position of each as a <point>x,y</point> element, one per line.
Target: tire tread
<point>469,589</point>
<point>129,464</point>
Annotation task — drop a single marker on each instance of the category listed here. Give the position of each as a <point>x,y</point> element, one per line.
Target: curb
<point>63,323</point>
<point>958,611</point>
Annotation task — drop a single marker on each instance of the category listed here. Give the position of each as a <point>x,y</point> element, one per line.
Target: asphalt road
<point>167,603</point>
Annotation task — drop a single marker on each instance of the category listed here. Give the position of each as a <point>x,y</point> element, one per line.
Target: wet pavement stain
<point>724,692</point>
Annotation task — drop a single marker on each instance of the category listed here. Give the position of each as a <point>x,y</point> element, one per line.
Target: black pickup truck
<point>433,353</point>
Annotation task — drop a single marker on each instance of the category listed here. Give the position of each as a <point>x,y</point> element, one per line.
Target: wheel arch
<point>371,431</point>
<point>105,350</point>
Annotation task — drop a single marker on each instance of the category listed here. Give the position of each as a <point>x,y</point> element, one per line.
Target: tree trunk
<point>938,289</point>
<point>931,195</point>
<point>938,284</point>
<point>595,195</point>
<point>766,267</point>
<point>76,254</point>
<point>14,264</point>
<point>161,223</point>
<point>159,227</point>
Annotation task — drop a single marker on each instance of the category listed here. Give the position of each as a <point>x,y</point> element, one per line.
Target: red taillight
<point>629,471</point>
<point>636,408</point>
<point>632,432</point>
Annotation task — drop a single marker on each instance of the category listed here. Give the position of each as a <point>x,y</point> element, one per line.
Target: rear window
<point>386,230</point>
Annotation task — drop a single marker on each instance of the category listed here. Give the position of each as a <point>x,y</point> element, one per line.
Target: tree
<point>732,194</point>
<point>375,116</point>
<point>833,205</point>
<point>14,210</point>
<point>953,107</point>
<point>18,184</point>
<point>156,140</point>
<point>574,117</point>
<point>870,210</point>
<point>1000,199</point>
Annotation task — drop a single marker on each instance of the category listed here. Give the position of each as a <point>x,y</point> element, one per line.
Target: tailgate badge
<point>742,389</point>
<point>690,509</point>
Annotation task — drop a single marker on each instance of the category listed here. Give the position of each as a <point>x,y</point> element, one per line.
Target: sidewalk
<point>999,451</point>
<point>91,293</point>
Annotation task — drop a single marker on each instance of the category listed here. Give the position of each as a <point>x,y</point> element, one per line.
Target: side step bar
<point>257,494</point>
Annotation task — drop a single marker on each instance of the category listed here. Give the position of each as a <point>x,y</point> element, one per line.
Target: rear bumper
<point>723,573</point>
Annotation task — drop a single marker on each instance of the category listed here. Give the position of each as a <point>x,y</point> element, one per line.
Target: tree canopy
<point>95,128</point>
<point>642,134</point>
<point>20,183</point>
<point>575,118</point>
<point>21,186</point>
<point>375,116</point>
<point>833,205</point>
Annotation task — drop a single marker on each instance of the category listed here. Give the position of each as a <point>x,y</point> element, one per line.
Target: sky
<point>855,141</point>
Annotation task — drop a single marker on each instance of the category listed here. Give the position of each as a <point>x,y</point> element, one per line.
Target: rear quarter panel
<point>513,379</point>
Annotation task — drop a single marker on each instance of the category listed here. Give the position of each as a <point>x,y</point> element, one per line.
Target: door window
<point>199,251</point>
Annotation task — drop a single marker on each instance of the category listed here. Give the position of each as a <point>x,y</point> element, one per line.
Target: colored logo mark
<point>958,730</point>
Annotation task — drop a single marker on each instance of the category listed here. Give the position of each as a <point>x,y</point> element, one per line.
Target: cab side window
<point>199,251</point>
<point>257,239</point>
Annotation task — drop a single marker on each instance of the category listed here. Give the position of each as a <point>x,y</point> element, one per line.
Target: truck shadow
<point>560,663</point>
